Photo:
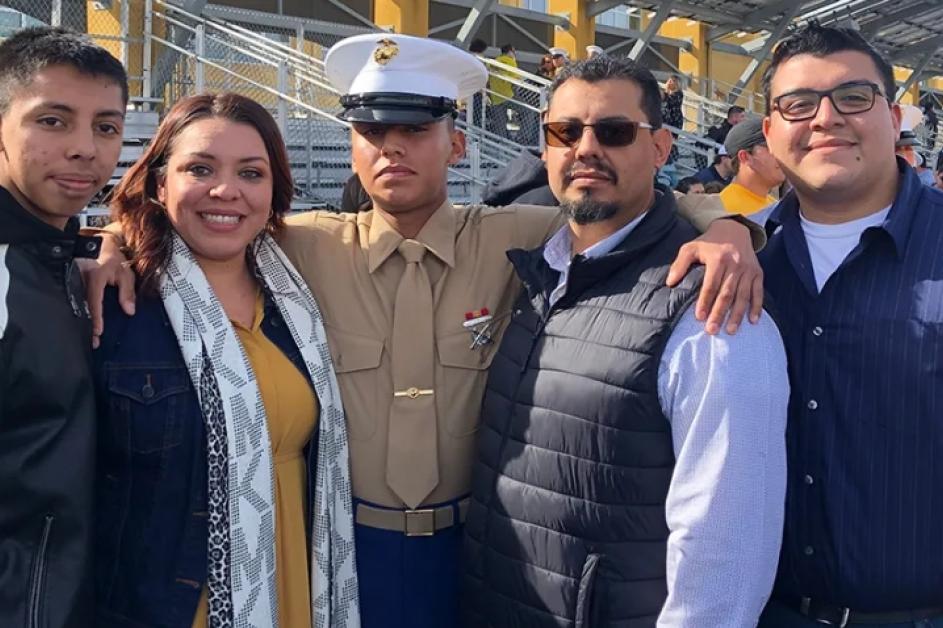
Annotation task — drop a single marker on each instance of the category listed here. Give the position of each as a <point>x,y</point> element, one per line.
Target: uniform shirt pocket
<point>465,373</point>
<point>357,365</point>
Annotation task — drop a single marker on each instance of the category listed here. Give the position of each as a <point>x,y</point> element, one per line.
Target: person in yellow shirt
<point>756,172</point>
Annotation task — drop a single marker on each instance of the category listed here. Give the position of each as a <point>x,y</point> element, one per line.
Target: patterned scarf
<point>241,550</point>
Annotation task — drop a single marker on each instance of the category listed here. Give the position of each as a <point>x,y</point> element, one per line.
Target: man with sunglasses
<point>856,276</point>
<point>631,468</point>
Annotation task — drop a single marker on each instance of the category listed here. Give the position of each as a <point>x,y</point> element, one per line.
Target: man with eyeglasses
<point>631,468</point>
<point>856,275</point>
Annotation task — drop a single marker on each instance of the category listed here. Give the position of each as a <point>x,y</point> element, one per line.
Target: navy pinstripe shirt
<point>864,506</point>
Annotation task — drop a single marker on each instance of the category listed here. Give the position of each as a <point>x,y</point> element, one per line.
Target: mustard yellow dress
<point>292,411</point>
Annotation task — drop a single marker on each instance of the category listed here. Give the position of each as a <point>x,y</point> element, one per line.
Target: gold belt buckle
<point>420,522</point>
<point>413,392</point>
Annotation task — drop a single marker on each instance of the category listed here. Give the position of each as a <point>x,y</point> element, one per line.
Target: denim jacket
<point>151,511</point>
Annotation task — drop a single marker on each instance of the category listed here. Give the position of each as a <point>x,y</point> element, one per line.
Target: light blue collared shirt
<point>726,398</point>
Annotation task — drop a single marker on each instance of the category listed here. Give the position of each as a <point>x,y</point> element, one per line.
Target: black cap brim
<point>392,115</point>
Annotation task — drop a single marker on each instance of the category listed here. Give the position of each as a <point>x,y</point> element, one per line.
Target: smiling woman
<point>212,392</point>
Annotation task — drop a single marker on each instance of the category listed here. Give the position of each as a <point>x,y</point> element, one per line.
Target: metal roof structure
<point>908,32</point>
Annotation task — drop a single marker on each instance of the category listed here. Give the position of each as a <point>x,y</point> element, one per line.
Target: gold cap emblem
<point>385,51</point>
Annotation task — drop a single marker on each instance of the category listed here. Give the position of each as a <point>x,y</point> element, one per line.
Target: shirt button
<point>816,331</point>
<point>147,391</point>
<point>813,404</point>
<point>808,551</point>
<point>809,480</point>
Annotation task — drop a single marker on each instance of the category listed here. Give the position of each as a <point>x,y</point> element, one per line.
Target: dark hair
<point>144,221</point>
<point>718,157</point>
<point>735,109</point>
<point>506,48</point>
<point>820,41</point>
<point>478,46</point>
<point>31,50</point>
<point>714,187</point>
<point>684,185</point>
<point>606,68</point>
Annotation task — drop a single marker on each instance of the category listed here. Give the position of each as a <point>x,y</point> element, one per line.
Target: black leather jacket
<point>47,424</point>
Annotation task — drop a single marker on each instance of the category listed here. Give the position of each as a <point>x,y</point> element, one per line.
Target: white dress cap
<point>558,52</point>
<point>391,63</point>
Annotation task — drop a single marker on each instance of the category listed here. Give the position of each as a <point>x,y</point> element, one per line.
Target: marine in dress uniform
<point>413,325</point>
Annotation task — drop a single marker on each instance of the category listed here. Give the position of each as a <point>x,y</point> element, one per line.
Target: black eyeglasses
<point>607,132</point>
<point>849,98</point>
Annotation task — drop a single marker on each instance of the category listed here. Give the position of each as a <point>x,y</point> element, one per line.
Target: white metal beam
<point>664,10</point>
<point>476,16</point>
<point>523,31</point>
<point>755,62</point>
<point>601,6</point>
<point>446,26</point>
<point>632,35</point>
<point>346,9</point>
<point>915,75</point>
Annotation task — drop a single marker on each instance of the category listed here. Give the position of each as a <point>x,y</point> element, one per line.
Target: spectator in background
<point>923,170</point>
<point>907,142</point>
<point>594,51</point>
<point>756,172</point>
<point>931,122</point>
<point>560,58</point>
<point>354,198</point>
<point>713,187</point>
<point>480,101</point>
<point>721,170</point>
<point>672,99</point>
<point>501,92</point>
<point>546,68</point>
<point>938,172</point>
<point>718,133</point>
<point>690,185</point>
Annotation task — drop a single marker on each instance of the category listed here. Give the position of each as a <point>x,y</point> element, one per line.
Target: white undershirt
<point>829,245</point>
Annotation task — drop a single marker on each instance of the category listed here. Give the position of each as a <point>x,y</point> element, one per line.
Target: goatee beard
<point>587,210</point>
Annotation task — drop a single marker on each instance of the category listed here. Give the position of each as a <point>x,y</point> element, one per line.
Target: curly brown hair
<point>147,230</point>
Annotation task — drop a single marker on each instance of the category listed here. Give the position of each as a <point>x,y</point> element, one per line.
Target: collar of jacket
<point>539,278</point>
<point>18,226</point>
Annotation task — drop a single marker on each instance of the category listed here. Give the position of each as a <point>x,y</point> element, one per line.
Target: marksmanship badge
<point>478,323</point>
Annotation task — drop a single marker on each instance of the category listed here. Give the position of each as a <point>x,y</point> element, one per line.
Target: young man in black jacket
<point>62,106</point>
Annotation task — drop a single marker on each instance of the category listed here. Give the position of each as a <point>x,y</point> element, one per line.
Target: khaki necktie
<point>412,462</point>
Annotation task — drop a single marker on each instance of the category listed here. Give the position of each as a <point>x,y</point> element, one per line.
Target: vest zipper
<point>37,580</point>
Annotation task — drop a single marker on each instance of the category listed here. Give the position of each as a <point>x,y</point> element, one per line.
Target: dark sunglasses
<point>607,132</point>
<point>848,99</point>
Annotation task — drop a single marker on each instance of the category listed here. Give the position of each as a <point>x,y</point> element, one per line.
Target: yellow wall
<point>410,17</point>
<point>582,31</point>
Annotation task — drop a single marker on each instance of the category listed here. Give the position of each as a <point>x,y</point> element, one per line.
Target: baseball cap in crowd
<point>745,136</point>
<point>558,52</point>
<point>911,117</point>
<point>399,79</point>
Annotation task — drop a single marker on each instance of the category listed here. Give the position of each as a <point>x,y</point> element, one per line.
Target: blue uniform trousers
<point>409,581</point>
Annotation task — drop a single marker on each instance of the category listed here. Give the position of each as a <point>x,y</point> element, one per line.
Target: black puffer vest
<point>567,522</point>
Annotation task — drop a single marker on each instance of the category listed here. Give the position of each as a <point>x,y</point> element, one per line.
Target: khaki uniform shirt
<point>351,264</point>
